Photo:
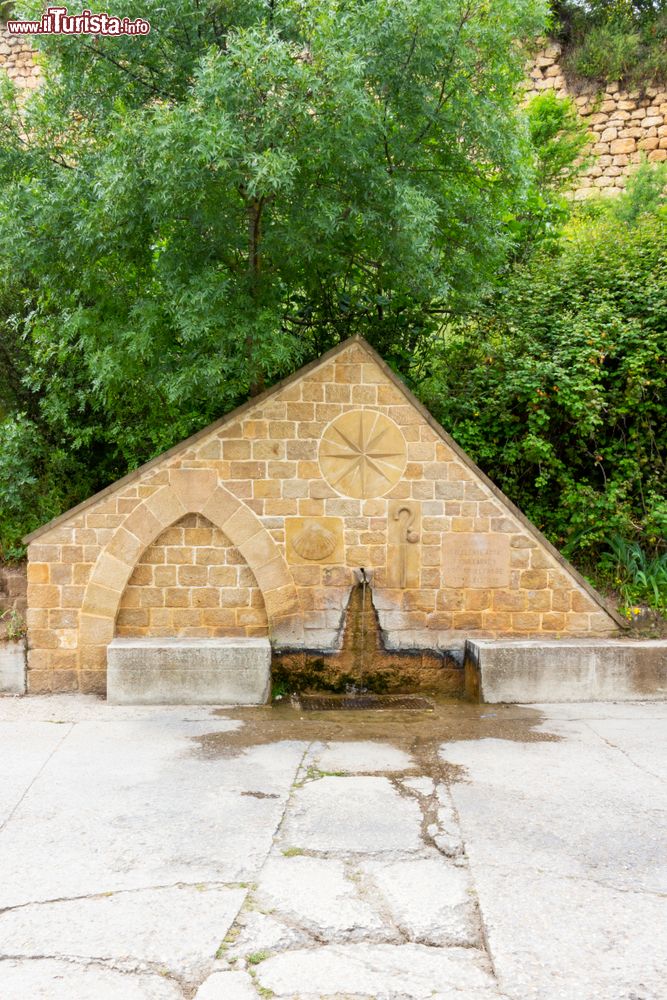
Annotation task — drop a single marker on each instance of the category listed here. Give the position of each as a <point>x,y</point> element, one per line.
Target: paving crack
<point>550,873</point>
<point>37,775</point>
<point>613,746</point>
<point>107,893</point>
<point>130,967</point>
<point>248,904</point>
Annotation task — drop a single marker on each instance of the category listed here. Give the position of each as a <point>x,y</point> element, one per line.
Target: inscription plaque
<point>470,560</point>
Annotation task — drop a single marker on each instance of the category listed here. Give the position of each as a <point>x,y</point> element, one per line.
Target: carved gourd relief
<point>362,454</point>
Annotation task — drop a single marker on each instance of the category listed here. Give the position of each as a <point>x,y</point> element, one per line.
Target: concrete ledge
<point>566,670</point>
<point>188,671</point>
<point>12,667</point>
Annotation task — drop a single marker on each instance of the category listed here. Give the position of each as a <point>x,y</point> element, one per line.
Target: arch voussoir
<point>189,491</point>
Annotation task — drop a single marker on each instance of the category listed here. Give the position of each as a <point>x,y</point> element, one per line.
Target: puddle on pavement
<point>419,733</point>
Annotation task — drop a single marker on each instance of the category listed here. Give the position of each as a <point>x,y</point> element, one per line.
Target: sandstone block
<point>622,146</point>
<point>143,523</point>
<point>189,671</point>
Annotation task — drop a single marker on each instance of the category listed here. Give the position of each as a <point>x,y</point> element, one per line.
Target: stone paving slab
<point>382,971</point>
<point>176,930</point>
<point>227,986</point>
<point>362,757</point>
<point>317,895</point>
<point>352,814</point>
<point>576,809</point>
<point>572,939</point>
<point>567,842</point>
<point>427,900</point>
<point>26,747</point>
<point>52,980</point>
<point>128,805</point>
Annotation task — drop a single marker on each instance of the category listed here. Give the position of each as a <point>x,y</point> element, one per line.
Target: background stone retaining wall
<point>13,589</point>
<point>624,126</point>
<point>18,58</point>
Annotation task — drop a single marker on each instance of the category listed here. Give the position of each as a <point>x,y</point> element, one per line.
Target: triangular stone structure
<point>260,524</point>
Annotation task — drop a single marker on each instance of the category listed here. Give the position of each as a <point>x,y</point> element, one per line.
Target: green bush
<point>615,40</point>
<point>558,386</point>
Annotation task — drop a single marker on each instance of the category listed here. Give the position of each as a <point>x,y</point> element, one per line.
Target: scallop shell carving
<point>314,542</point>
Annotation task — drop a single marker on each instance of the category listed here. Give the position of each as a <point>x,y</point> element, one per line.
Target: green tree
<point>186,216</point>
<point>558,140</point>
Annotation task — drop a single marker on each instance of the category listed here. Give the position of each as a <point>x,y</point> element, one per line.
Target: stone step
<point>563,670</point>
<point>156,671</point>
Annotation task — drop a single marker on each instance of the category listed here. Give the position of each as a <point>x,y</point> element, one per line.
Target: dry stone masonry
<point>261,524</point>
<point>18,59</point>
<point>624,125</point>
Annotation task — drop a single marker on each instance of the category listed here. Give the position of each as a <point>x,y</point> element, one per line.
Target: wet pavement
<point>465,851</point>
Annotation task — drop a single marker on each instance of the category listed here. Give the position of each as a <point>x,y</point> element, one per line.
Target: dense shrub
<point>614,40</point>
<point>558,386</point>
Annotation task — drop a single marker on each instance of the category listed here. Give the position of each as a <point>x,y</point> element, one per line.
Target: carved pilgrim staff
<point>408,536</point>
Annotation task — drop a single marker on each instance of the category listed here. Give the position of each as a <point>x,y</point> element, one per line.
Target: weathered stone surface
<point>567,670</point>
<point>357,757</point>
<point>316,895</point>
<point>261,932</point>
<point>26,747</point>
<point>429,900</point>
<point>360,814</point>
<point>380,971</point>
<point>223,671</point>
<point>177,928</point>
<point>127,805</point>
<point>580,871</point>
<point>47,979</point>
<point>227,986</point>
<point>12,667</point>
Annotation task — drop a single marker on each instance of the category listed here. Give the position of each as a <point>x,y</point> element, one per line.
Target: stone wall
<point>339,468</point>
<point>13,591</point>
<point>18,59</point>
<point>624,125</point>
<point>192,582</point>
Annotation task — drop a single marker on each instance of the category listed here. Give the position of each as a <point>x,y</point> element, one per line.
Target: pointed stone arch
<point>189,491</point>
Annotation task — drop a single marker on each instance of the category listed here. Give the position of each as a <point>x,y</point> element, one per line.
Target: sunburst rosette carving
<point>363,454</point>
